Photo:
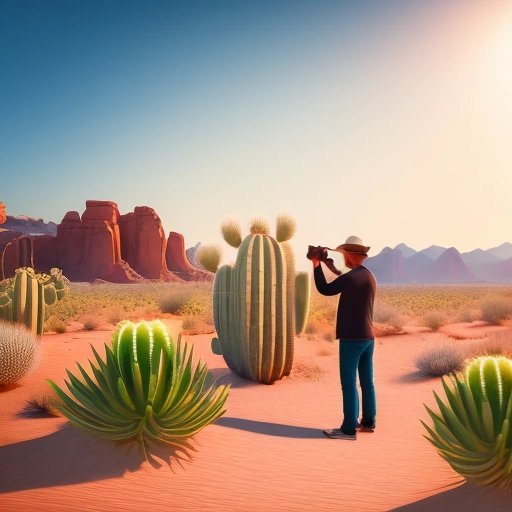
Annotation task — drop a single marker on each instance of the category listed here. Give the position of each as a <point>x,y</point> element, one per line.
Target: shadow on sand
<point>70,456</point>
<point>415,376</point>
<point>226,376</point>
<point>465,497</point>
<point>270,429</point>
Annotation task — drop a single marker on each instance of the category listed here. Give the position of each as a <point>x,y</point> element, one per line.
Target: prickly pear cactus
<point>23,299</point>
<point>254,303</point>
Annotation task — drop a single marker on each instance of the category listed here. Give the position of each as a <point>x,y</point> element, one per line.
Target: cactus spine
<point>25,297</point>
<point>254,304</point>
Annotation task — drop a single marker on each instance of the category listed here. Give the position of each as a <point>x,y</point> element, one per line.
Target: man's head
<point>353,260</point>
<point>354,251</point>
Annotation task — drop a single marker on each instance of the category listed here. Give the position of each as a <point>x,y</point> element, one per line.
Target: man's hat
<point>354,245</point>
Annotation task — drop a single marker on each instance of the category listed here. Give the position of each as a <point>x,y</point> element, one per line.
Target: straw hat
<point>354,245</point>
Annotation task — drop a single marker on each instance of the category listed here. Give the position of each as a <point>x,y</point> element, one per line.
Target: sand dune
<point>266,453</point>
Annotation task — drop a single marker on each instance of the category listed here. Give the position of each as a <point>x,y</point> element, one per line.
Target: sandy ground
<point>267,453</point>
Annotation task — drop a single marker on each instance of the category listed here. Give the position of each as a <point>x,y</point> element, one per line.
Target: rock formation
<point>178,262</point>
<point>101,245</point>
<point>143,244</point>
<point>3,215</point>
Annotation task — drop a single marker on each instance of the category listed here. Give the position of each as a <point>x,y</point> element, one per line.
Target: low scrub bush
<point>440,360</point>
<point>175,301</point>
<point>90,323</point>
<point>54,324</point>
<point>496,344</point>
<point>44,405</point>
<point>496,309</point>
<point>434,320</point>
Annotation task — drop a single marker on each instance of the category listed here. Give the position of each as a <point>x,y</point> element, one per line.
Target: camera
<point>320,253</point>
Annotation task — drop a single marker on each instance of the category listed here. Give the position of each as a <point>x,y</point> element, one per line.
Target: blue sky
<point>389,120</point>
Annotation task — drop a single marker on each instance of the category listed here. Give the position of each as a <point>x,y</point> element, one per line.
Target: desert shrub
<point>384,313</point>
<point>189,323</point>
<point>467,315</point>
<point>115,314</point>
<point>18,352</point>
<point>495,309</point>
<point>471,429</point>
<point>434,319</point>
<point>90,323</point>
<point>55,324</point>
<point>176,300</point>
<point>440,360</point>
<point>157,396</point>
<point>43,404</point>
<point>496,344</point>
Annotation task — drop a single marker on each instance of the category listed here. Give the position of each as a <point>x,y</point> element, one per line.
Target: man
<point>354,330</point>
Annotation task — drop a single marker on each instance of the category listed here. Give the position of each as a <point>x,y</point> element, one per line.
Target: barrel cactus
<point>23,299</point>
<point>145,389</point>
<point>254,302</point>
<point>18,352</point>
<point>472,429</point>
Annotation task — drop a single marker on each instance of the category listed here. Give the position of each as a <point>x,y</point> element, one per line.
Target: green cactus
<point>24,298</point>
<point>302,299</point>
<point>145,389</point>
<point>254,304</point>
<point>472,430</point>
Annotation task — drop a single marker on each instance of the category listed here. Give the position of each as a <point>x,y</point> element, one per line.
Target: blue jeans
<point>357,355</point>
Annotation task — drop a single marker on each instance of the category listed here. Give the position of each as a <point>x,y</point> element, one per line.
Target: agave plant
<point>472,430</point>
<point>145,389</point>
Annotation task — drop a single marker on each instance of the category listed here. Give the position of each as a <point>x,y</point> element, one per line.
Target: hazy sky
<point>391,120</point>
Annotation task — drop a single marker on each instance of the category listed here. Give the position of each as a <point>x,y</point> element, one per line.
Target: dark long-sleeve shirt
<point>355,308</point>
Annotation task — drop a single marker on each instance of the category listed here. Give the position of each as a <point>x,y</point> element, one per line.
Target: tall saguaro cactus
<point>254,302</point>
<point>25,297</point>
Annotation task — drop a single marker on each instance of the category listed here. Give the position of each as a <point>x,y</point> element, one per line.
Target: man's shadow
<point>270,429</point>
<point>70,456</point>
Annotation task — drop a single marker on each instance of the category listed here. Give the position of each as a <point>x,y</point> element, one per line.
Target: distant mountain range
<point>29,225</point>
<point>436,264</point>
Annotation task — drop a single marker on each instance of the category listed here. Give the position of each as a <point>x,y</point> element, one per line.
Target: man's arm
<point>325,288</point>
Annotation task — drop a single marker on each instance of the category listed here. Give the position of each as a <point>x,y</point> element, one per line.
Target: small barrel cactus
<point>18,352</point>
<point>145,389</point>
<point>254,302</point>
<point>472,430</point>
<point>24,298</point>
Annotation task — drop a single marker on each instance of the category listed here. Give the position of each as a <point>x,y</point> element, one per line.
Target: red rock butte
<point>103,244</point>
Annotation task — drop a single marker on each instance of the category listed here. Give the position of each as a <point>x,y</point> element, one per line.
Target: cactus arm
<point>302,301</point>
<point>290,305</point>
